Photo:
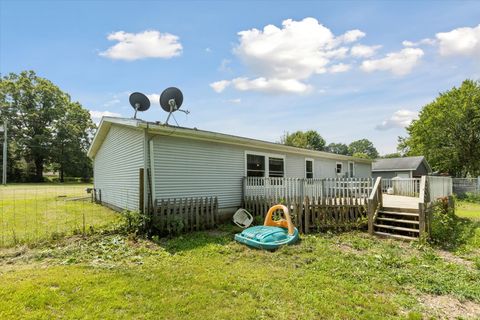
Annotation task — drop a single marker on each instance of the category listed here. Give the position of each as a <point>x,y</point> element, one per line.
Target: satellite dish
<point>171,100</point>
<point>139,102</point>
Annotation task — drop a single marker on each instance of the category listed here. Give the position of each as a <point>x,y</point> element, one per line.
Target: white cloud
<point>352,36</point>
<point>235,101</point>
<point>426,41</point>
<point>399,63</point>
<point>281,58</point>
<point>154,98</point>
<point>271,85</point>
<point>460,41</point>
<point>97,115</point>
<point>341,67</point>
<point>362,51</point>
<point>400,119</point>
<point>146,44</point>
<point>219,86</point>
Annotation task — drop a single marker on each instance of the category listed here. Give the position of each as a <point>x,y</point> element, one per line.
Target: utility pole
<point>4,164</point>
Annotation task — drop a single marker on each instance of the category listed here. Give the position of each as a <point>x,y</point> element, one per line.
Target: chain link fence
<point>32,213</point>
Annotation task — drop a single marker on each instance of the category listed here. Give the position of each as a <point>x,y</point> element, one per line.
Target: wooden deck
<point>391,201</point>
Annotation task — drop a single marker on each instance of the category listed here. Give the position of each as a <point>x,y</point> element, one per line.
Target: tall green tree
<point>338,148</point>
<point>37,112</point>
<point>310,139</point>
<point>364,146</point>
<point>447,131</point>
<point>72,137</point>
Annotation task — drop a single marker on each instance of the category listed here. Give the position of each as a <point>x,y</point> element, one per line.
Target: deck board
<point>392,201</point>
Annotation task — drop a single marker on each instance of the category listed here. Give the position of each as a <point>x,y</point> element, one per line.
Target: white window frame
<point>313,167</point>
<point>267,164</point>
<point>341,168</point>
<point>351,174</point>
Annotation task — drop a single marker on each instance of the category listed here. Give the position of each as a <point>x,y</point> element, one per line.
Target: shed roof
<point>399,164</point>
<point>157,128</point>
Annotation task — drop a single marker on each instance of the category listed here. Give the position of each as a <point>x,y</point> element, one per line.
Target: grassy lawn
<point>32,212</point>
<point>468,210</point>
<point>206,275</point>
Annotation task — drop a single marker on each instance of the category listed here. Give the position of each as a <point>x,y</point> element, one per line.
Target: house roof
<point>399,164</point>
<point>157,128</point>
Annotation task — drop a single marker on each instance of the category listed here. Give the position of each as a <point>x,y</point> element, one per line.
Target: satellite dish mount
<point>139,102</point>
<point>171,100</point>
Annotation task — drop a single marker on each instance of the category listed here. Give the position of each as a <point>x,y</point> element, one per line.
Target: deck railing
<point>288,188</point>
<point>375,203</point>
<point>439,187</point>
<point>409,187</point>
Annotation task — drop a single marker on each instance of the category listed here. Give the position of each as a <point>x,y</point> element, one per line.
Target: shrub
<point>134,222</point>
<point>473,197</point>
<point>447,230</point>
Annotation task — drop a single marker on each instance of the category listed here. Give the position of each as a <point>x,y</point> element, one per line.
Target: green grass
<point>468,210</point>
<point>34,212</point>
<point>206,275</point>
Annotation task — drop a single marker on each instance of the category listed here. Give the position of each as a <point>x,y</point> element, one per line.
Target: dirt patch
<point>451,258</point>
<point>348,249</point>
<point>449,307</point>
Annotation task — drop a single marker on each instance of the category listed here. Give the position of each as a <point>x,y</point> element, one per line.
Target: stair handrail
<point>422,206</point>
<point>374,203</point>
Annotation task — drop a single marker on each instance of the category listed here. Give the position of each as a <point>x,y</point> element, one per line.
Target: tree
<point>447,131</point>
<point>392,155</point>
<point>72,137</point>
<point>363,146</point>
<point>361,155</point>
<point>338,148</point>
<point>308,140</point>
<point>38,114</point>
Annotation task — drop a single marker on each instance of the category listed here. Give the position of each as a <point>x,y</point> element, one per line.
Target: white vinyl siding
<point>116,167</point>
<point>194,168</point>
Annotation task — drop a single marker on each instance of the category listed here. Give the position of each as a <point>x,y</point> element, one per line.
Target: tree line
<point>47,131</point>
<point>311,139</point>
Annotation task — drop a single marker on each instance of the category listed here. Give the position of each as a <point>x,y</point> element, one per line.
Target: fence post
<point>141,191</point>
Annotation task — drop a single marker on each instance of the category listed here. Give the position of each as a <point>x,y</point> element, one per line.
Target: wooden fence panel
<point>184,214</point>
<point>314,214</point>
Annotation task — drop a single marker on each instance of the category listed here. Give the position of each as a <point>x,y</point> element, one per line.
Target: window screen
<point>255,165</point>
<point>275,167</point>
<point>339,168</point>
<point>308,169</point>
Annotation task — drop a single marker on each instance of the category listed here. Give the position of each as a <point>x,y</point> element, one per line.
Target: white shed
<point>181,162</point>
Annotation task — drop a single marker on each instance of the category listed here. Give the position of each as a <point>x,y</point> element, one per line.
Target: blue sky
<point>349,70</point>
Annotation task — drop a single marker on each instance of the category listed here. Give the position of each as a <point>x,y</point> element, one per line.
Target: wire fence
<point>31,213</point>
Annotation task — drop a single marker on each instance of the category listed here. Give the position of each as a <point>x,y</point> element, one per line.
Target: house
<point>182,162</point>
<point>407,167</point>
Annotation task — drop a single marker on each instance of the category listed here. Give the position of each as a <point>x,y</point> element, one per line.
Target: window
<point>351,169</point>
<point>255,165</point>
<point>338,169</point>
<point>308,168</point>
<point>275,167</point>
<point>265,165</point>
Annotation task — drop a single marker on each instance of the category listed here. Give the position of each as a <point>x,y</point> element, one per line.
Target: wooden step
<point>409,210</point>
<point>397,213</point>
<point>398,220</point>
<point>396,236</point>
<point>396,228</point>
